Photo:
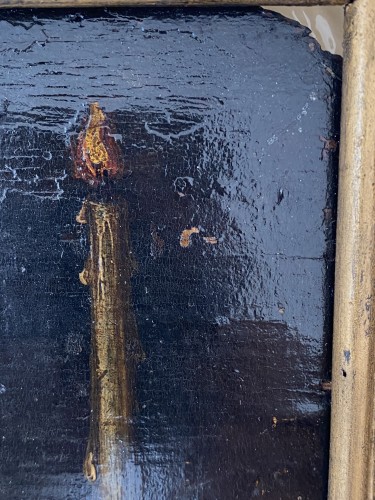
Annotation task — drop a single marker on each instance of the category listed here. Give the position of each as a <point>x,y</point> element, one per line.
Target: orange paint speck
<point>185,239</point>
<point>212,240</point>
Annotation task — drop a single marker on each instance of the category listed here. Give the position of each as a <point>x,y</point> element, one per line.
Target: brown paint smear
<point>185,240</point>
<point>185,237</point>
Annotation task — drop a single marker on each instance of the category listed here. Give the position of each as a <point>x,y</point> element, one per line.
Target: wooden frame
<point>126,3</point>
<point>352,453</point>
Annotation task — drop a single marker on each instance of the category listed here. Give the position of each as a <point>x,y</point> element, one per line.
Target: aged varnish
<point>220,192</point>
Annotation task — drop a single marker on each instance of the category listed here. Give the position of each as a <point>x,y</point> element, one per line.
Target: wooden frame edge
<point>131,3</point>
<point>352,422</point>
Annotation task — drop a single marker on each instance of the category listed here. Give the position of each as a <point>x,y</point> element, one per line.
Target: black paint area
<point>223,117</point>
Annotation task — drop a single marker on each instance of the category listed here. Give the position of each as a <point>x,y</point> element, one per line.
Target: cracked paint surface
<point>220,115</point>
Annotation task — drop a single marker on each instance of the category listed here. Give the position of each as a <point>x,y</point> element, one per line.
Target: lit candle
<point>115,346</point>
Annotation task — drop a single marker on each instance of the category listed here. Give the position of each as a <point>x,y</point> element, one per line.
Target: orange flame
<point>96,154</point>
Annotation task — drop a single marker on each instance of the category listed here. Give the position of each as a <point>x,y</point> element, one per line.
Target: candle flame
<point>96,154</point>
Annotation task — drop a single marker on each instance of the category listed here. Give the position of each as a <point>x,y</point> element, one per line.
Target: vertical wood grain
<point>117,3</point>
<point>352,435</point>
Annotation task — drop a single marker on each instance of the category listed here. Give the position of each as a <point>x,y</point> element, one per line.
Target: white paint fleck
<point>272,139</point>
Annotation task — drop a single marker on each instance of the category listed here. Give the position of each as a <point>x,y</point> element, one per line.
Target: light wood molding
<point>128,3</point>
<point>352,424</point>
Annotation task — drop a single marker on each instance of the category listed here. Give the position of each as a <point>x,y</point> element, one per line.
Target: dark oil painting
<point>168,185</point>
